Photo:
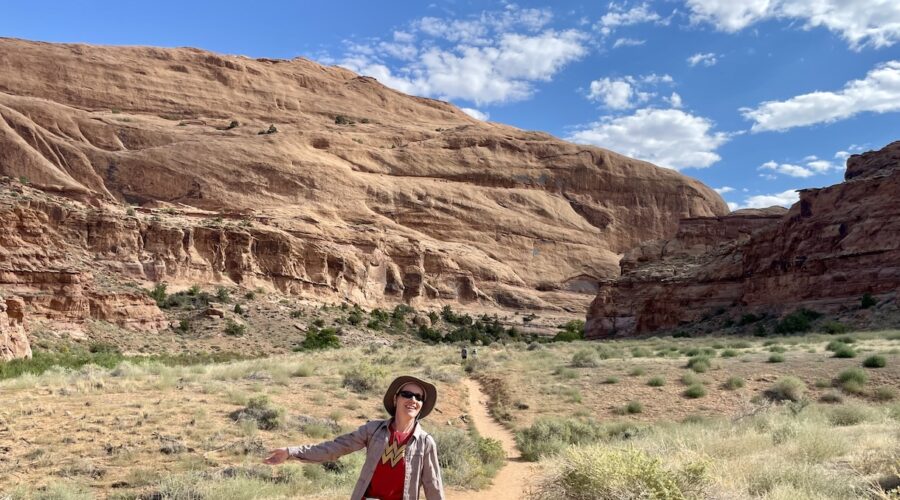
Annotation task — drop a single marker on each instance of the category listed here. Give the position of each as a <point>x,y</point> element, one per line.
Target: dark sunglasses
<point>412,395</point>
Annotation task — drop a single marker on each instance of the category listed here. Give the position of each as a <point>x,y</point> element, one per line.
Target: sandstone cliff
<point>13,341</point>
<point>836,244</point>
<point>343,188</point>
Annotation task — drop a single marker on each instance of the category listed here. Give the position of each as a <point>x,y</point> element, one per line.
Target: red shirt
<point>390,473</point>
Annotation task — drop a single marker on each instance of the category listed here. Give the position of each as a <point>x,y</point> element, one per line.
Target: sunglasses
<point>412,395</point>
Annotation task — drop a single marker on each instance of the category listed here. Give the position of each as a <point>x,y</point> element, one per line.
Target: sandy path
<point>510,483</point>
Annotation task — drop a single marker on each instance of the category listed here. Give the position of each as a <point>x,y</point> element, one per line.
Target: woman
<point>401,457</point>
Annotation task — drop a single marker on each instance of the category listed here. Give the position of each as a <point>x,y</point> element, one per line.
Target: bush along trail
<point>512,481</point>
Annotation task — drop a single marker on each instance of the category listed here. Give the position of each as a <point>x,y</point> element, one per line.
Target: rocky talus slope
<point>301,177</point>
<point>836,244</point>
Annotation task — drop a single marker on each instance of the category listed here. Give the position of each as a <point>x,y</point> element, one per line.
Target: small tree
<point>158,294</point>
<point>867,301</point>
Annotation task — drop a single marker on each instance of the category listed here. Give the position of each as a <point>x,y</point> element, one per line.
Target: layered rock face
<point>834,245</point>
<point>13,341</point>
<point>307,178</point>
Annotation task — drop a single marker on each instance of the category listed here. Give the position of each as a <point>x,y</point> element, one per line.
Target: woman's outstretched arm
<point>323,452</point>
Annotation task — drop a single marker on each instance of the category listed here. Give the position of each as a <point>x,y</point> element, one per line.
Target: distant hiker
<point>474,353</point>
<point>464,353</point>
<point>401,458</point>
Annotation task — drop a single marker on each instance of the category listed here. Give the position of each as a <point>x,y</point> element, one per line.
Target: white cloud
<point>843,155</point>
<point>787,169</point>
<point>861,23</point>
<point>706,59</point>
<point>618,16</point>
<point>614,94</point>
<point>821,166</point>
<point>653,78</point>
<point>784,199</point>
<point>403,37</point>
<point>810,158</point>
<point>733,206</point>
<point>625,92</point>
<point>723,189</point>
<point>674,100</point>
<point>478,115</point>
<point>628,42</point>
<point>667,137</point>
<point>878,92</point>
<point>499,71</point>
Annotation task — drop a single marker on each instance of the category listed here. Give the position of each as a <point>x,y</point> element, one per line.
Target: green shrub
<point>700,364</point>
<point>875,361</point>
<point>549,436</point>
<point>777,348</point>
<point>776,358</point>
<point>733,383</point>
<point>885,394</point>
<point>796,322</point>
<point>641,352</point>
<point>355,317</point>
<point>585,358</point>
<point>656,382</point>
<point>597,473</point>
<point>634,407</point>
<point>343,120</point>
<point>834,345</point>
<point>565,373</point>
<point>573,330</point>
<point>158,294</point>
<point>611,380</point>
<point>316,339</point>
<point>847,415</point>
<point>364,378</point>
<point>867,301</point>
<point>235,329</point>
<point>834,328</point>
<point>690,379</point>
<point>852,380</point>
<point>636,372</point>
<point>238,309</point>
<point>747,319</point>
<point>466,460</point>
<point>832,397</point>
<point>844,351</point>
<point>787,388</point>
<point>728,353</point>
<point>695,391</point>
<point>260,411</point>
<point>222,294</point>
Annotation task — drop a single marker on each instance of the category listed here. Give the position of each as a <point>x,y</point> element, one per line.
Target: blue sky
<point>755,98</point>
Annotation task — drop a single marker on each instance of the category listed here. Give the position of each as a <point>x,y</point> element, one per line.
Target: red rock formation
<point>834,245</point>
<point>13,341</point>
<point>414,201</point>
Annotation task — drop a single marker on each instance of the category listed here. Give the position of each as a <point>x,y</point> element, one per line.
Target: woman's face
<point>409,406</point>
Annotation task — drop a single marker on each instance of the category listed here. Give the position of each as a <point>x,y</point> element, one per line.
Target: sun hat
<point>394,388</point>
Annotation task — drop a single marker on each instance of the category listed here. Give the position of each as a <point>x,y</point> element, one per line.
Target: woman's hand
<point>277,456</point>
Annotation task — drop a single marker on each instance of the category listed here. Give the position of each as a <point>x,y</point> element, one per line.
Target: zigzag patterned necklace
<point>394,452</point>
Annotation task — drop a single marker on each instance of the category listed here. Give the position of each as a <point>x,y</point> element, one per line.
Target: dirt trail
<point>511,482</point>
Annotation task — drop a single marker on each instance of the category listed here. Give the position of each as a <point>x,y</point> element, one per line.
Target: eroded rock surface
<point>307,178</point>
<point>836,244</point>
<point>13,340</point>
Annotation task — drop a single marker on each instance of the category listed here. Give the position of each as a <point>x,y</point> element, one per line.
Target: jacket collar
<point>418,432</point>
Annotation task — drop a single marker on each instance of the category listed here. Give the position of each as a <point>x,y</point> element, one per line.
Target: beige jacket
<point>422,468</point>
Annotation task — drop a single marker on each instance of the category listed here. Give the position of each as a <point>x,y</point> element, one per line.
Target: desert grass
<point>150,427</point>
<point>779,453</point>
<point>201,431</point>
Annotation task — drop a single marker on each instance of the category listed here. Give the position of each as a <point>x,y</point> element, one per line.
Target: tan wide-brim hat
<point>394,388</point>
